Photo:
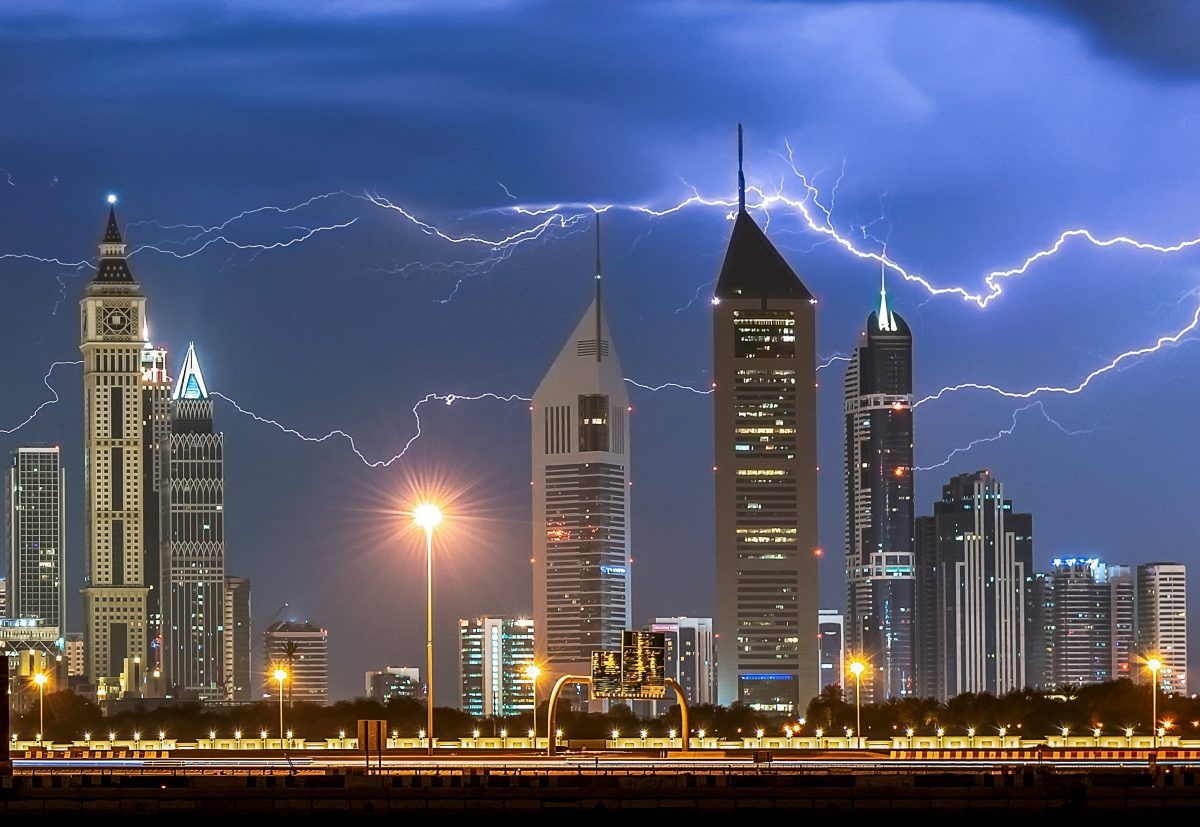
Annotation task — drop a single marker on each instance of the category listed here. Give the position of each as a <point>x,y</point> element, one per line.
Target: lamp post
<point>1154,664</point>
<point>40,679</point>
<point>857,667</point>
<point>280,676</point>
<point>428,517</point>
<point>533,672</point>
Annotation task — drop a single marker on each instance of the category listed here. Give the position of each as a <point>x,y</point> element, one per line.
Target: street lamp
<point>428,516</point>
<point>857,667</point>
<point>280,676</point>
<point>40,679</point>
<point>533,672</point>
<point>1154,664</point>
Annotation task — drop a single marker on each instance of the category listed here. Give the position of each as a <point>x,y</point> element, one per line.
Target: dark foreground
<point>1032,790</point>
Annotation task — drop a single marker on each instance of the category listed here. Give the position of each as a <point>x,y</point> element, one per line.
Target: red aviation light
<point>818,552</point>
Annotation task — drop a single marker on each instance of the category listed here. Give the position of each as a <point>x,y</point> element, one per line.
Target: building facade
<point>690,657</point>
<point>495,655</point>
<point>192,497</point>
<point>1076,606</point>
<point>395,682</point>
<point>115,593</point>
<point>36,536</point>
<point>581,539</point>
<point>831,643</point>
<point>1161,595</point>
<point>880,568</point>
<point>156,429</point>
<point>765,464</point>
<point>239,650</point>
<point>1123,615</point>
<point>977,556</point>
<point>302,650</point>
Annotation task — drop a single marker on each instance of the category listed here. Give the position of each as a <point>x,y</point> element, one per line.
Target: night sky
<point>965,137</point>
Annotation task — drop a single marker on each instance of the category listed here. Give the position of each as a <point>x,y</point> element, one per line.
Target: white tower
<point>113,310</point>
<point>581,549</point>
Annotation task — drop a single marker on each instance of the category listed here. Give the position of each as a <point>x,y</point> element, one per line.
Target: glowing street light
<point>857,667</point>
<point>533,672</point>
<point>40,679</point>
<point>280,675</point>
<point>428,516</point>
<point>1154,664</point>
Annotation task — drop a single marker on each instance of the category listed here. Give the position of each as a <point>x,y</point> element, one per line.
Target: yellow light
<point>40,678</point>
<point>857,667</point>
<point>1154,664</point>
<point>427,515</point>
<point>615,734</point>
<point>533,672</point>
<point>280,675</point>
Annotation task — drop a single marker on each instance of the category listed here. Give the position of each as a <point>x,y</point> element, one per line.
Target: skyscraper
<point>581,546</point>
<point>239,654</point>
<point>978,558</point>
<point>115,593</point>
<point>765,439</point>
<point>880,571</point>
<point>1123,615</point>
<point>831,632</point>
<point>1162,623</point>
<point>192,498</point>
<point>302,650</point>
<point>690,656</point>
<point>1078,599</point>
<point>36,511</point>
<point>495,653</point>
<point>156,428</point>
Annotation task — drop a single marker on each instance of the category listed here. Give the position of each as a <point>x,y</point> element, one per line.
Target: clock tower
<point>112,316</point>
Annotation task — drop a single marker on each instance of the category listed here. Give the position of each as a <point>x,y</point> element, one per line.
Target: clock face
<point>117,321</point>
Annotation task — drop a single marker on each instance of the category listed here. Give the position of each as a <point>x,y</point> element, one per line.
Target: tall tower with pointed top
<point>764,371</point>
<point>193,542</point>
<point>581,543</point>
<point>115,591</point>
<point>880,566</point>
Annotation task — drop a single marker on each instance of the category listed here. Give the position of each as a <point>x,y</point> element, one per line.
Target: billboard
<point>606,674</point>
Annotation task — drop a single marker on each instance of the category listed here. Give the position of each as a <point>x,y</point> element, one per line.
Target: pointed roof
<point>190,384</point>
<point>753,268</point>
<point>884,318</point>
<point>113,268</point>
<point>112,233</point>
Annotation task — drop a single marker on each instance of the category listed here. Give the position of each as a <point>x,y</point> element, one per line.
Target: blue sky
<point>965,136</point>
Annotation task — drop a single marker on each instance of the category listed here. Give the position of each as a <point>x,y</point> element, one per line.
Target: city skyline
<point>323,334</point>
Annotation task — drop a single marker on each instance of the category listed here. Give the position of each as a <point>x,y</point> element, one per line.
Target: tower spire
<point>599,279</point>
<point>886,321</point>
<point>741,175</point>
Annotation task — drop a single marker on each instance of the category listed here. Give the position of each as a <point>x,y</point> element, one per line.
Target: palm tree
<point>290,651</point>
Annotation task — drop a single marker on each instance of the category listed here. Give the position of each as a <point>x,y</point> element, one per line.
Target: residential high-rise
<point>36,511</point>
<point>192,497</point>
<point>495,653</point>
<point>115,593</point>
<point>239,651</point>
<point>1162,623</point>
<point>765,440</point>
<point>690,657</point>
<point>302,650</point>
<point>831,634</point>
<point>1123,615</point>
<point>880,570</point>
<point>979,557</point>
<point>581,545</point>
<point>393,682</point>
<point>73,652</point>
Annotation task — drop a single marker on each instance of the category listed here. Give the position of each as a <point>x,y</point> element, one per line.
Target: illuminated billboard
<point>636,672</point>
<point>606,674</point>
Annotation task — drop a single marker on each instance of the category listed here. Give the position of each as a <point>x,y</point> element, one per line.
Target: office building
<point>156,430</point>
<point>302,650</point>
<point>115,593</point>
<point>495,654</point>
<point>976,555</point>
<point>394,683</point>
<point>73,652</point>
<point>1123,615</point>
<point>1161,595</point>
<point>831,643</point>
<point>239,649</point>
<point>880,571</point>
<point>581,544</point>
<point>36,535</point>
<point>1076,602</point>
<point>765,464</point>
<point>192,498</point>
<point>689,658</point>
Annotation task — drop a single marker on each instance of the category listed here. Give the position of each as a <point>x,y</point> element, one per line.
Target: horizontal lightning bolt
<point>1002,433</point>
